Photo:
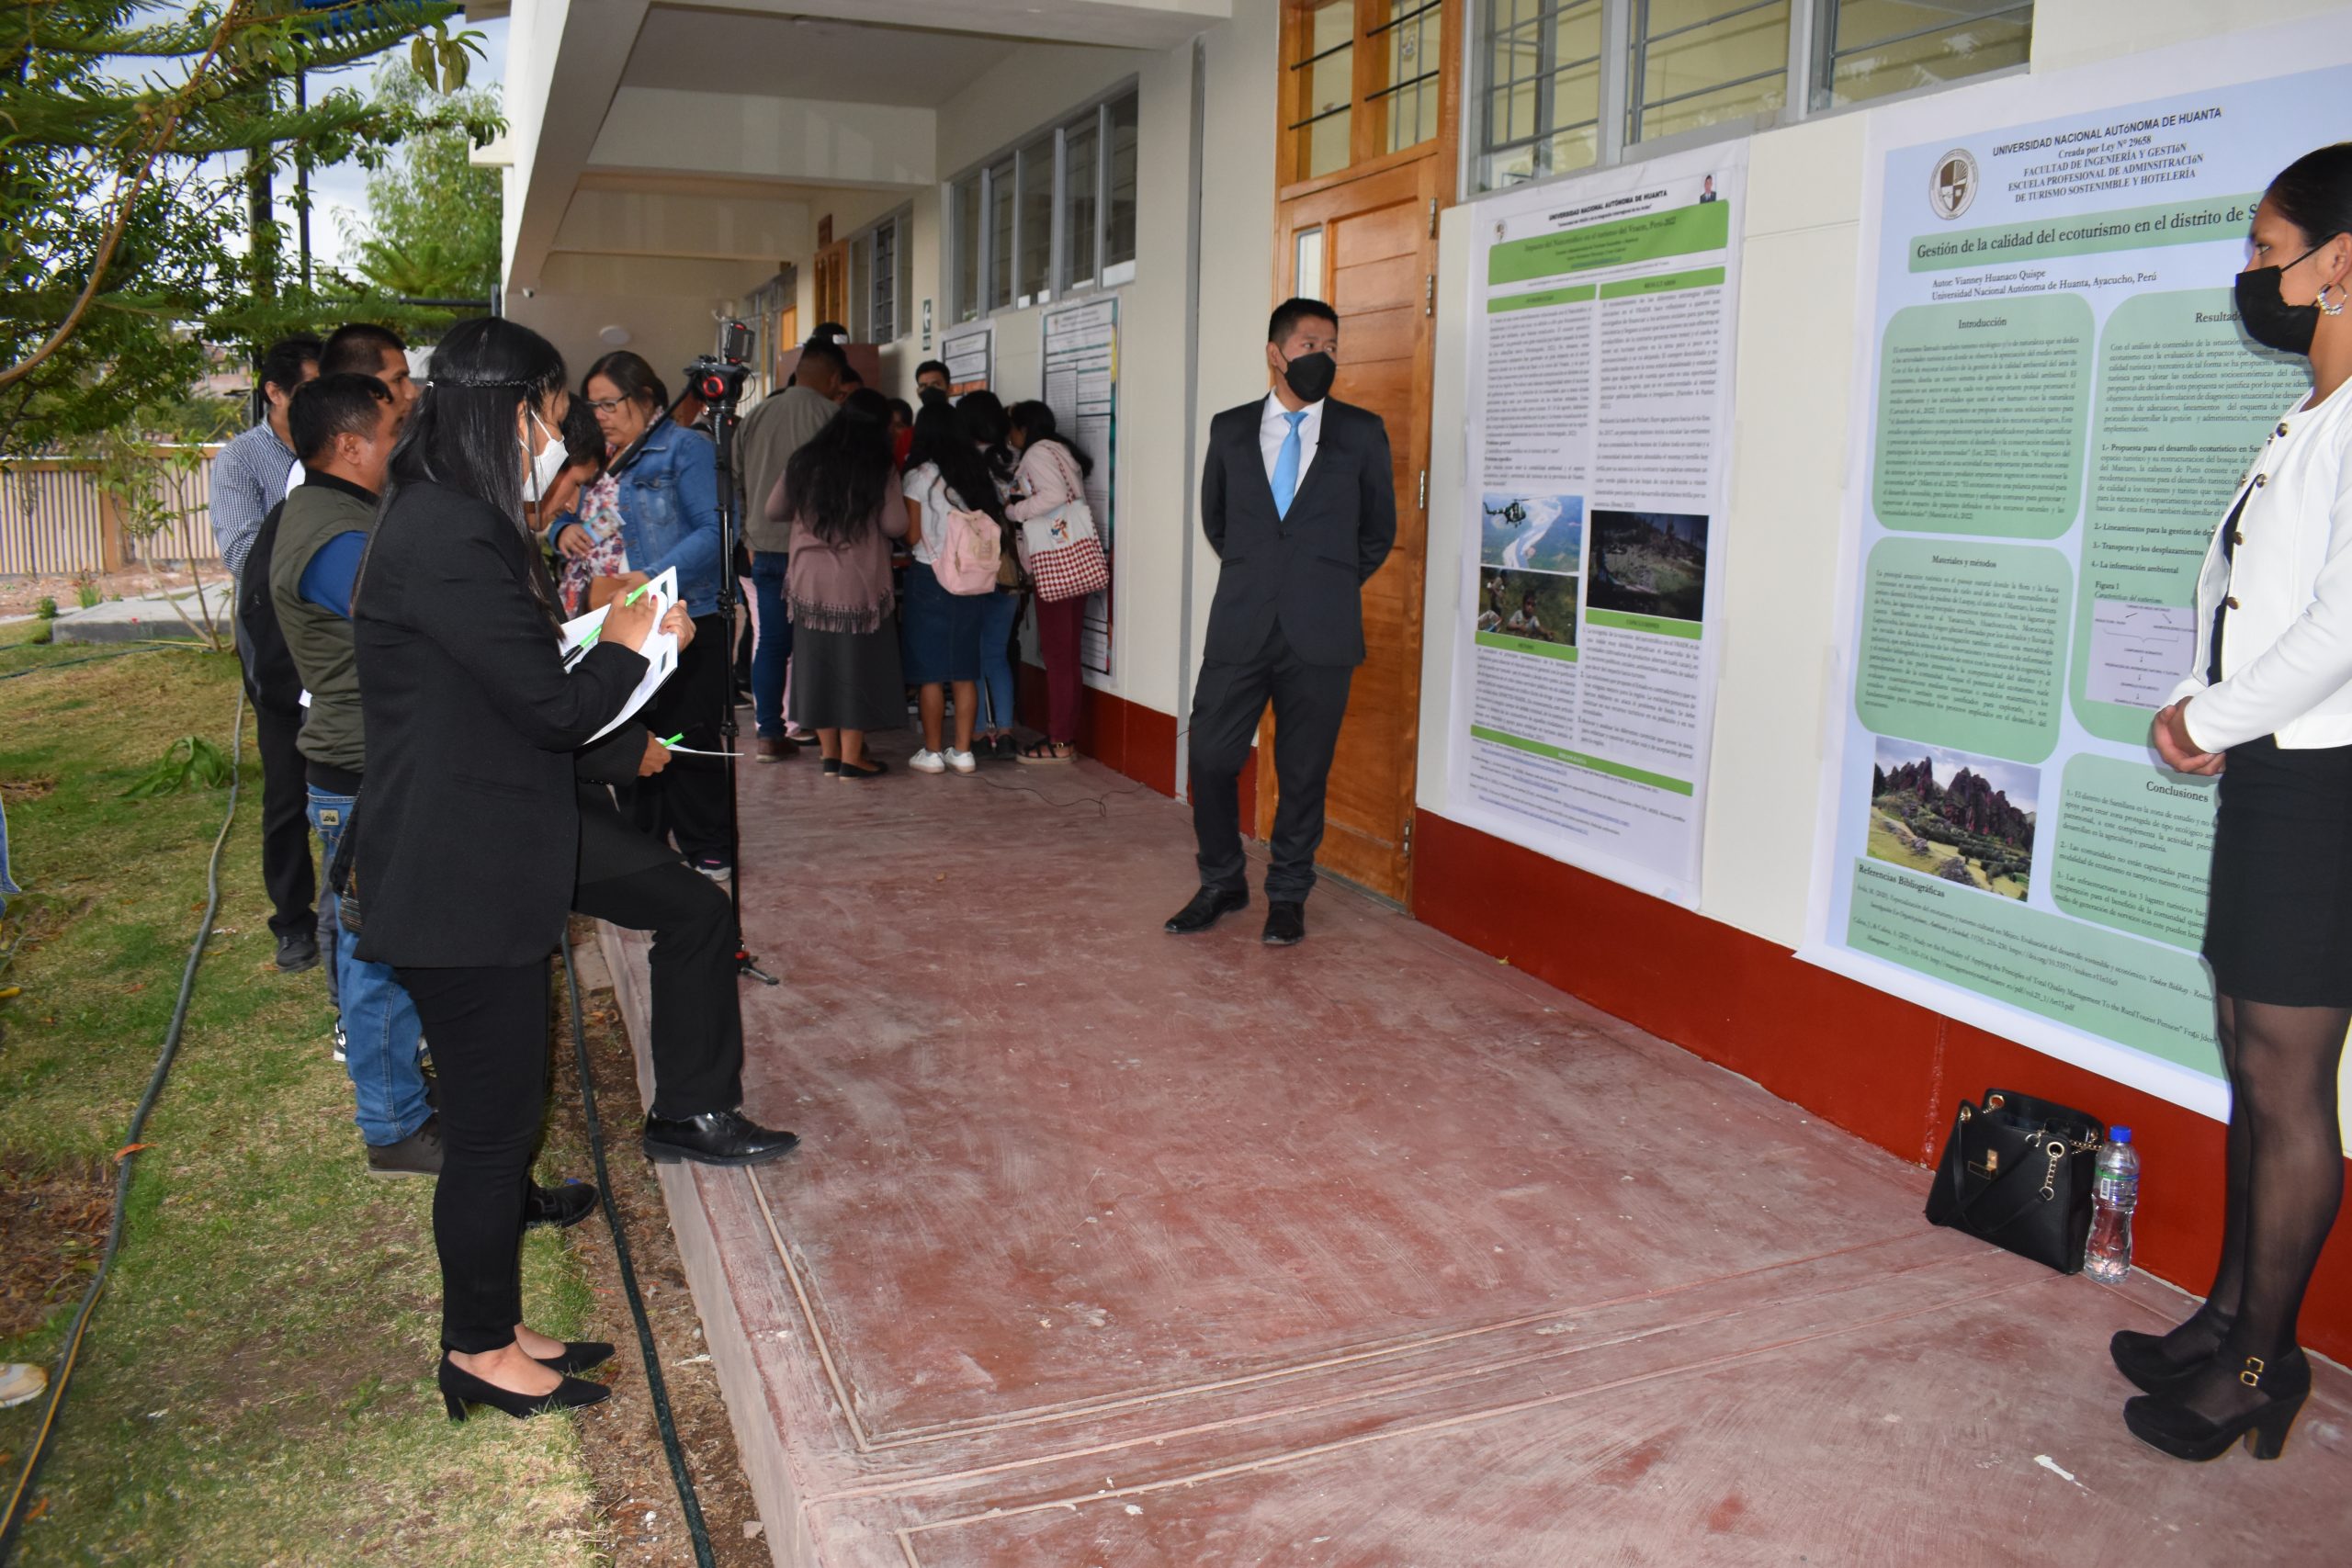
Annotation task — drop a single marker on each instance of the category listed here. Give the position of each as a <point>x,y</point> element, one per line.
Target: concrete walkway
<point>1108,1249</point>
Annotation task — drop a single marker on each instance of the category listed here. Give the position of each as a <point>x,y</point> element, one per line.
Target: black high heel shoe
<point>460,1388</point>
<point>579,1355</point>
<point>2181,1432</point>
<point>2142,1358</point>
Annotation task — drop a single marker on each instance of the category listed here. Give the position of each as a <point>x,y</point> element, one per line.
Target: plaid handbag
<point>1064,552</point>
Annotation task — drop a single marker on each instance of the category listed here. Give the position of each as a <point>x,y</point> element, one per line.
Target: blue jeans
<point>773,652</point>
<point>380,1032</point>
<point>997,611</point>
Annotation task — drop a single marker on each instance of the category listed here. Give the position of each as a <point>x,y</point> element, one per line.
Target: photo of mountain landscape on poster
<point>1958,817</point>
<point>1543,533</point>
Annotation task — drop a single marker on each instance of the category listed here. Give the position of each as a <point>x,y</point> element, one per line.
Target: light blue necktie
<point>1286,465</point>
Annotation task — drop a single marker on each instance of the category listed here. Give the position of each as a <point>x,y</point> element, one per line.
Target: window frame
<point>1807,73</point>
<point>1047,147</point>
<point>866,280</point>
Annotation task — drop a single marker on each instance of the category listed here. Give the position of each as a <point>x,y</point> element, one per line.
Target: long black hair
<point>461,434</point>
<point>980,420</point>
<point>1036,423</point>
<point>835,482</point>
<point>940,443</point>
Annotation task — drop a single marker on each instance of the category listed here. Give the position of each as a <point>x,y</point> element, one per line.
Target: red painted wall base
<point>1880,1067</point>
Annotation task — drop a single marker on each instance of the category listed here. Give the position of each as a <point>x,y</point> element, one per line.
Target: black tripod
<point>718,380</point>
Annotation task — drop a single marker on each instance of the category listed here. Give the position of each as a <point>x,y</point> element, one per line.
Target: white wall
<point>1800,273</point>
<point>669,307</point>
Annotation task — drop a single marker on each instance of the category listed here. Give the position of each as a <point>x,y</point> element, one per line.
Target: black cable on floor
<point>654,1385</point>
<point>62,1375</point>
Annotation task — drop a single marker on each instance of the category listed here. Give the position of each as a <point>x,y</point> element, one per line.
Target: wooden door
<point>832,285</point>
<point>1356,225</point>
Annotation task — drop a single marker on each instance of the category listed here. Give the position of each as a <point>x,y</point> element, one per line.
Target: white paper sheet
<point>661,650</point>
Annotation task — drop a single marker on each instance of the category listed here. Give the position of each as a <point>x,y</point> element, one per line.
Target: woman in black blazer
<point>464,863</point>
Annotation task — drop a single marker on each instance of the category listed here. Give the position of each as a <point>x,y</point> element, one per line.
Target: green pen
<point>675,739</point>
<point>636,593</point>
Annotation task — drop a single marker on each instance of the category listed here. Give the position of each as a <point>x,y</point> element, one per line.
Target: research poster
<point>1081,358</point>
<point>2054,405</point>
<point>1601,345</point>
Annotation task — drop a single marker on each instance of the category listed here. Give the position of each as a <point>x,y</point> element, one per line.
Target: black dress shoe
<point>1286,924</point>
<point>579,1355</point>
<point>460,1389</point>
<point>558,1208</point>
<point>716,1138</point>
<point>1209,906</point>
<point>419,1153</point>
<point>297,953</point>
<point>2162,1422</point>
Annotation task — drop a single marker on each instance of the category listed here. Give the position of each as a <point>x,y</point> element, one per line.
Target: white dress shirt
<point>1274,429</point>
<point>2287,659</point>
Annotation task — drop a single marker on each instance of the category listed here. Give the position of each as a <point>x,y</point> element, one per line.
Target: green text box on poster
<point>1982,409</point>
<point>1564,652</point>
<point>2134,848</point>
<point>1663,283</point>
<point>2086,234</point>
<point>2182,406</point>
<point>1680,232</point>
<point>1963,644</point>
<point>2152,998</point>
<point>1540,299</point>
<point>1582,760</point>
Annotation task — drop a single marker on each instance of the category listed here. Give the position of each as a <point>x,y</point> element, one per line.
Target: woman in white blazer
<point>2268,708</point>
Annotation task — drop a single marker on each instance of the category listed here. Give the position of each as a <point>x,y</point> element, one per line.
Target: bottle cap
<point>2119,1134</point>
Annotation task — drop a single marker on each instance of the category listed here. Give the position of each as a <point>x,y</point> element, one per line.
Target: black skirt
<point>848,680</point>
<point>2278,914</point>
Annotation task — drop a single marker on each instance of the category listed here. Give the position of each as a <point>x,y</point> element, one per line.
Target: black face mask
<point>1310,376</point>
<point>2268,319</point>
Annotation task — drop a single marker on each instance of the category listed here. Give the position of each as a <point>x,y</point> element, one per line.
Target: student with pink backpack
<point>956,529</point>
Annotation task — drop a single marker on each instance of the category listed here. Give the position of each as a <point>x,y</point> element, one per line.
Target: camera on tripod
<point>717,377</point>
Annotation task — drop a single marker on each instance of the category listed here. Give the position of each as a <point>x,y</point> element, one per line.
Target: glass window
<point>860,272</point>
<point>1119,231</point>
<point>1872,48</point>
<point>1698,62</point>
<point>1541,94</point>
<point>1082,197</point>
<point>1000,287</point>
<point>1411,43</point>
<point>1324,75</point>
<point>965,237</point>
<point>1306,265</point>
<point>882,271</point>
<point>1033,280</point>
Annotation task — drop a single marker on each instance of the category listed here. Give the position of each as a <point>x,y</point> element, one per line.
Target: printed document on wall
<point>2054,407</point>
<point>1600,422</point>
<point>1082,359</point>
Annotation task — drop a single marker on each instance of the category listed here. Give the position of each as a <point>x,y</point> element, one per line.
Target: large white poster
<point>1081,356</point>
<point>1602,325</point>
<point>2053,406</point>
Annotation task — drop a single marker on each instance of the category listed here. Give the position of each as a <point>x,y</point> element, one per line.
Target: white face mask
<point>545,464</point>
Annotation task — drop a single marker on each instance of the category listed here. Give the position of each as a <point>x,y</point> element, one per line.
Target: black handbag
<point>2018,1172</point>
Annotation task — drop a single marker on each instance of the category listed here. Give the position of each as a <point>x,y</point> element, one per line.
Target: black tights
<point>2286,1181</point>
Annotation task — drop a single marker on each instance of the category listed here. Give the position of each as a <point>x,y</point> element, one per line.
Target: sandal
<point>1048,751</point>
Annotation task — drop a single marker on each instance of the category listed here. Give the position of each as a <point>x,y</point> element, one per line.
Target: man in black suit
<point>1300,506</point>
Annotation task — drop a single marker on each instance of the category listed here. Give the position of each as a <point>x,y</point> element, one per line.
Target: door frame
<point>1303,203</point>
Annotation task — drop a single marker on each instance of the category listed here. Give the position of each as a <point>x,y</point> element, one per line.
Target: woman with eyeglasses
<point>664,480</point>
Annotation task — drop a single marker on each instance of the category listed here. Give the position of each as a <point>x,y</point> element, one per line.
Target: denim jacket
<point>668,506</point>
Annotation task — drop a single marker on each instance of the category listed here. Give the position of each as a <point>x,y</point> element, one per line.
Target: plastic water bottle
<point>2114,1194</point>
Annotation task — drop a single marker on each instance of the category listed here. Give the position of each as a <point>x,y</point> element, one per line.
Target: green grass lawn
<point>257,1386</point>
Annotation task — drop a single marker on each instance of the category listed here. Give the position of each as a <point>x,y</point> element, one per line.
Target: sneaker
<point>419,1153</point>
<point>713,867</point>
<point>338,1044</point>
<point>297,953</point>
<point>962,761</point>
<point>21,1382</point>
<point>928,761</point>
